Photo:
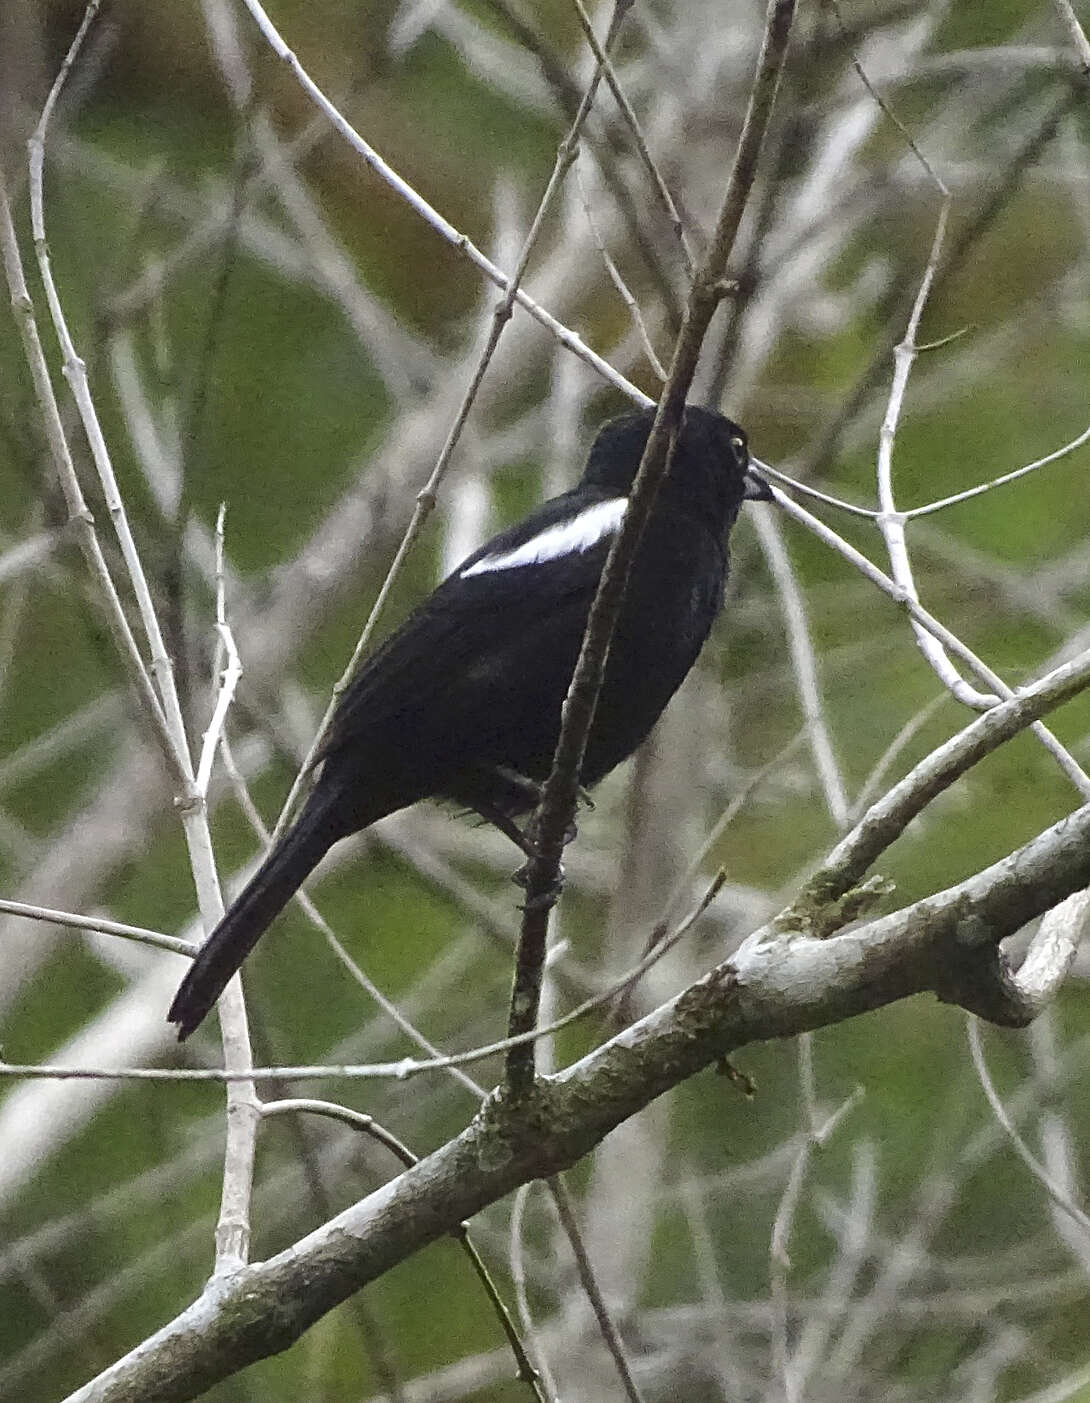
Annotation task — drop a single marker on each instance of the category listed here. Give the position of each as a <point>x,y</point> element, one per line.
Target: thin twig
<point>617,280</point>
<point>804,665</point>
<point>516,1258</point>
<point>606,1324</point>
<point>1000,481</point>
<point>231,669</point>
<point>432,217</point>
<point>891,522</point>
<point>836,1303</point>
<point>658,184</point>
<point>949,640</point>
<point>1055,1191</point>
<point>998,193</point>
<point>816,1135</point>
<point>75,372</point>
<point>333,1110</point>
<point>566,92</point>
<point>868,513</point>
<point>233,1226</point>
<point>80,520</point>
<point>358,1120</point>
<point>101,925</point>
<point>888,818</point>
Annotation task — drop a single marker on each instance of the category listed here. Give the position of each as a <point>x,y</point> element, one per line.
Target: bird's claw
<point>543,900</point>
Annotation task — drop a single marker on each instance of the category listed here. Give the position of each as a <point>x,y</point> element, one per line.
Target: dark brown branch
<point>556,811</point>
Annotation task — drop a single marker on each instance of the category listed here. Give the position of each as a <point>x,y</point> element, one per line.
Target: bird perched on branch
<point>463,701</point>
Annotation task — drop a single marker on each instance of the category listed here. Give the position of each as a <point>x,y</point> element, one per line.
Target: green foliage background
<point>281,408</point>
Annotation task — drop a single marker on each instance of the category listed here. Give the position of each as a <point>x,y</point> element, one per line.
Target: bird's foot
<point>543,900</point>
<point>531,789</point>
<point>531,845</point>
<point>532,849</point>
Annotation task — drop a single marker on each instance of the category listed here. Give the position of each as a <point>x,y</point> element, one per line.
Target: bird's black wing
<point>487,631</point>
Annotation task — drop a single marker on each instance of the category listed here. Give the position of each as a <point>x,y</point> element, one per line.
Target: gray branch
<point>775,986</point>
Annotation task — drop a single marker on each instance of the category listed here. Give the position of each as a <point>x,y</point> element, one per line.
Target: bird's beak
<point>755,488</point>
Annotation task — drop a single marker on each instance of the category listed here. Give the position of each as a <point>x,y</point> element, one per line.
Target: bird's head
<point>711,474</point>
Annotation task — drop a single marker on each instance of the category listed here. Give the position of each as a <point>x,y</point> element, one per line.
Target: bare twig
<point>606,1324</point>
<point>920,615</point>
<point>996,197</point>
<point>226,652</point>
<point>431,216</point>
<point>75,373</point>
<point>804,666</point>
<point>79,516</point>
<point>817,1133</point>
<point>358,1120</point>
<point>618,281</point>
<point>233,1230</point>
<point>332,1110</point>
<point>517,1264</point>
<point>943,502</point>
<point>888,818</point>
<point>101,925</point>
<point>807,491</point>
<point>1055,1191</point>
<point>890,521</point>
<point>658,184</point>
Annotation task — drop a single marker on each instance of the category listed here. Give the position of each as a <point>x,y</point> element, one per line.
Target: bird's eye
<point>738,443</point>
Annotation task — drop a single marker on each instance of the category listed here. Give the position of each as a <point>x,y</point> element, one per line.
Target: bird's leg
<point>525,839</point>
<point>525,843</point>
<point>529,788</point>
<point>493,814</point>
<point>533,790</point>
<point>522,876</point>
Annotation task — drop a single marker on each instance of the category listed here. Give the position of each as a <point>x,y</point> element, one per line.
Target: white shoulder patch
<point>564,538</point>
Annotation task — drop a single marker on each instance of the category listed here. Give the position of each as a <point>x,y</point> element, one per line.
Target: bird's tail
<point>268,891</point>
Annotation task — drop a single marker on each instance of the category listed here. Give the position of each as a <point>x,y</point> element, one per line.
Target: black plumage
<point>463,701</point>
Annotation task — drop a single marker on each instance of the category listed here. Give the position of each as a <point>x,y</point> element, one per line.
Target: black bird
<point>463,701</point>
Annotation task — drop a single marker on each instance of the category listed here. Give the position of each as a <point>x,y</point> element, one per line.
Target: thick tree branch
<point>773,987</point>
<point>887,819</point>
